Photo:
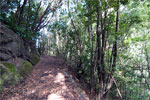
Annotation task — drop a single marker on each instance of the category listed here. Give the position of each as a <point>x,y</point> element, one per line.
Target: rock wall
<point>11,44</point>
<point>15,61</point>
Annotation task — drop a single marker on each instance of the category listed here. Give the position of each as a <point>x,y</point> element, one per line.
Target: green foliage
<point>9,18</point>
<point>132,36</point>
<point>26,34</point>
<point>72,38</point>
<point>7,6</point>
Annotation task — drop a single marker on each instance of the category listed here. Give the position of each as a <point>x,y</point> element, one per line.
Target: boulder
<point>11,44</point>
<point>24,67</point>
<point>34,59</point>
<point>10,74</point>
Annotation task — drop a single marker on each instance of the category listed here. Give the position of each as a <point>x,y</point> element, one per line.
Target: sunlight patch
<point>64,87</point>
<point>59,78</point>
<point>55,97</point>
<point>31,91</point>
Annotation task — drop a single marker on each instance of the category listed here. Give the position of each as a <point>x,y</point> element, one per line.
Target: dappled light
<point>48,81</point>
<point>59,78</point>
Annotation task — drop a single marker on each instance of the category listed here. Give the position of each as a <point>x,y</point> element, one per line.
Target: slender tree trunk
<point>115,46</point>
<point>21,11</point>
<point>98,61</point>
<point>114,58</point>
<point>37,13</point>
<point>103,49</point>
<point>33,47</point>
<point>92,63</point>
<point>41,18</point>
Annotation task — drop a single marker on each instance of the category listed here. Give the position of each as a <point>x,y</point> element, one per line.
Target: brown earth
<point>49,80</point>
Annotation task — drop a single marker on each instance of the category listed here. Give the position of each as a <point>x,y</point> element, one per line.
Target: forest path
<point>49,80</point>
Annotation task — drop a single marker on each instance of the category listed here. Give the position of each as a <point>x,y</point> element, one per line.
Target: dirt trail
<point>49,80</point>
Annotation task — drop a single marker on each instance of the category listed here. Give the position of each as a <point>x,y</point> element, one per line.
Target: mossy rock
<point>25,68</point>
<point>34,58</point>
<point>9,75</point>
<point>1,85</point>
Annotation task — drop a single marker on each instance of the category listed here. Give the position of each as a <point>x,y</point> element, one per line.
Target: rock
<point>11,44</point>
<point>34,59</point>
<point>25,67</point>
<point>15,60</point>
<point>9,75</point>
<point>1,84</point>
<point>4,56</point>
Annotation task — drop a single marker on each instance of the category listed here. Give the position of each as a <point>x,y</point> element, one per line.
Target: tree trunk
<point>33,47</point>
<point>115,46</point>
<point>21,12</point>
<point>92,63</point>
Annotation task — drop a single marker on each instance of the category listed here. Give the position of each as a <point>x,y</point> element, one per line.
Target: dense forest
<point>106,43</point>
